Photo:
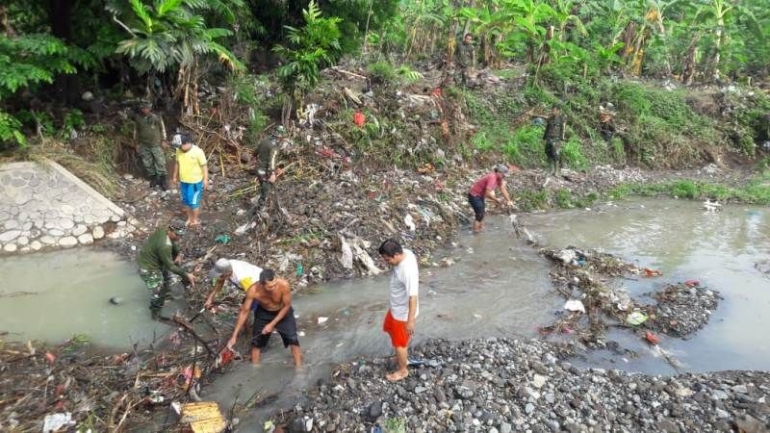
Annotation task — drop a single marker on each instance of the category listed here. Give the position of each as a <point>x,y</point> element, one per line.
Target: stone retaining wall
<point>44,206</point>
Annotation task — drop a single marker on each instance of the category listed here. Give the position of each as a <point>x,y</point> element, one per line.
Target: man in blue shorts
<point>191,170</point>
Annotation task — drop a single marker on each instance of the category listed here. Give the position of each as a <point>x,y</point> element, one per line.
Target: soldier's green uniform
<point>466,53</point>
<point>156,263</point>
<point>266,152</point>
<point>554,131</point>
<point>149,132</point>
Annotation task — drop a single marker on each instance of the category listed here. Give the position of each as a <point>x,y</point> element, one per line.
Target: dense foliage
<point>138,43</point>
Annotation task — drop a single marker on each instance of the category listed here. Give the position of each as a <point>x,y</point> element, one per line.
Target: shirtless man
<point>274,312</point>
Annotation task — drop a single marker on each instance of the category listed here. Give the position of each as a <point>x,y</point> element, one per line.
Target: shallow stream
<point>498,287</point>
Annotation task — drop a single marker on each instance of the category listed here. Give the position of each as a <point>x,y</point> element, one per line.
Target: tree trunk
<point>60,19</point>
<point>719,34</point>
<point>688,65</point>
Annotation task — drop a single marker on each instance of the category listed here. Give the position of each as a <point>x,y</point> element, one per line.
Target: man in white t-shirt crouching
<point>241,274</point>
<point>404,307</point>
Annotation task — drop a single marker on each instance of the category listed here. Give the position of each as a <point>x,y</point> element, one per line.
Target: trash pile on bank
<point>71,388</point>
<point>585,278</point>
<point>501,385</point>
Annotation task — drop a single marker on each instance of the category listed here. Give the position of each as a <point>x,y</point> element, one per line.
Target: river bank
<point>504,385</point>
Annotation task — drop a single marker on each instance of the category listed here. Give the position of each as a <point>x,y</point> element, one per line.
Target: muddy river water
<point>498,287</point>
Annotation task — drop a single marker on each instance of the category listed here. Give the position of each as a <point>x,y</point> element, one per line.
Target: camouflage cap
<point>145,104</point>
<point>279,130</point>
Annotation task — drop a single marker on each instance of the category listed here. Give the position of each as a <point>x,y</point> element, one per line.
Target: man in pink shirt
<point>485,188</point>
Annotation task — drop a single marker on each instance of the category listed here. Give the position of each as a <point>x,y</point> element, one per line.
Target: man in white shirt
<point>241,274</point>
<point>404,307</point>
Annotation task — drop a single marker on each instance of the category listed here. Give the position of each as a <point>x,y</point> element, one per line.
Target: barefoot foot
<point>397,375</point>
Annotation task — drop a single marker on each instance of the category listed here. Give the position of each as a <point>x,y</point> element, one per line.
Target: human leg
<point>256,353</point>
<point>401,360</point>
<point>146,156</point>
<point>195,204</point>
<point>478,205</point>
<point>159,164</point>
<point>399,337</point>
<point>191,194</point>
<point>259,340</point>
<point>265,187</point>
<point>287,329</point>
<point>153,280</point>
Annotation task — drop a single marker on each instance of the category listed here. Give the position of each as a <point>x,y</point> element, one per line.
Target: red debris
<point>652,338</point>
<point>652,272</point>
<point>359,119</point>
<point>692,283</point>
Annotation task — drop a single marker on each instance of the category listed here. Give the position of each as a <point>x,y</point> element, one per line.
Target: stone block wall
<point>43,206</point>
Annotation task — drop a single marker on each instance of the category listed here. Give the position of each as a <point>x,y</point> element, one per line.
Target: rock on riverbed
<point>506,385</point>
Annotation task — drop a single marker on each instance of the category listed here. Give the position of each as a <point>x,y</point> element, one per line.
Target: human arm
<point>563,129</point>
<point>271,170</point>
<point>411,280</point>
<point>162,127</point>
<point>167,260</point>
<point>286,302</point>
<point>135,133</point>
<point>214,292</point>
<point>412,314</point>
<point>243,314</point>
<point>504,191</point>
<point>175,170</point>
<point>490,194</point>
<point>205,169</point>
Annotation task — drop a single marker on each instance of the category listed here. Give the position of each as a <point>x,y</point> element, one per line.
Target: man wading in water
<point>274,313</point>
<point>485,188</point>
<point>404,307</point>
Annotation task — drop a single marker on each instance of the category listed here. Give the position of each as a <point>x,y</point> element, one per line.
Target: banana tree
<point>171,35</point>
<point>567,18</point>
<point>717,14</point>
<point>646,18</point>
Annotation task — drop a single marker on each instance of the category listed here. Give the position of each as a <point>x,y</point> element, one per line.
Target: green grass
<point>756,191</point>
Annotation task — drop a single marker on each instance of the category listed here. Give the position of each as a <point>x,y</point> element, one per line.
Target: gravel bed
<point>501,385</point>
<point>683,309</point>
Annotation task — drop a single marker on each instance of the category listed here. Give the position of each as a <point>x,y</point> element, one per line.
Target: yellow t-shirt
<point>191,164</point>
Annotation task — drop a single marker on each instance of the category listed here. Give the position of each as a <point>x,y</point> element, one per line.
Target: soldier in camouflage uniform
<point>554,135</point>
<point>157,260</point>
<point>466,57</point>
<point>267,153</point>
<point>149,136</point>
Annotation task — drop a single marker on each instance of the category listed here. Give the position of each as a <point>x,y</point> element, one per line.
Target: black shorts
<point>478,205</point>
<point>287,327</point>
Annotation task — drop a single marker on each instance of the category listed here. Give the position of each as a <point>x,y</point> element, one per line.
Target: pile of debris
<point>683,308</point>
<point>74,386</point>
<point>584,278</point>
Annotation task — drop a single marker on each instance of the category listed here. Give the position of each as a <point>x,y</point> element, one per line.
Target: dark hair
<point>266,275</point>
<point>186,139</point>
<point>466,35</point>
<point>390,248</point>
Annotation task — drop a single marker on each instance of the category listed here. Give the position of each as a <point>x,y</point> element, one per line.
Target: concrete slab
<point>63,208</point>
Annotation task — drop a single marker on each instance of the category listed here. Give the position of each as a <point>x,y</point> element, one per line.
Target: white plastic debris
<point>575,305</point>
<point>55,421</point>
<point>322,320</point>
<point>409,221</point>
<point>347,254</point>
<point>566,256</point>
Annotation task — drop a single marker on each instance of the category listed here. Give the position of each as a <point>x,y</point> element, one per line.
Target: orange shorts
<point>399,336</point>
